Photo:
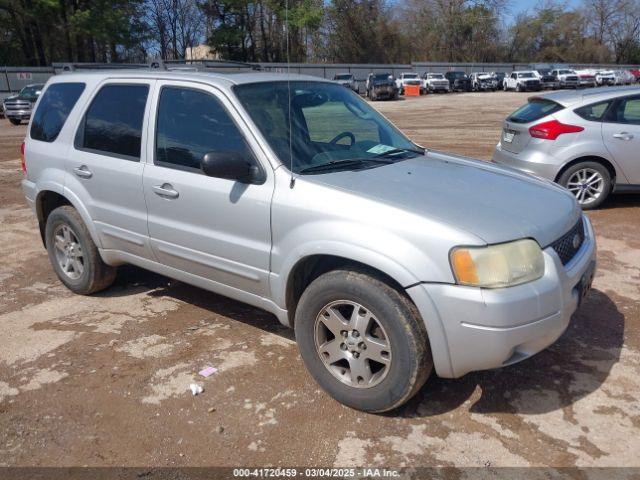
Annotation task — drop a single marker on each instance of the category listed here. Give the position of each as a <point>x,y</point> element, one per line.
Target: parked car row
<point>538,77</point>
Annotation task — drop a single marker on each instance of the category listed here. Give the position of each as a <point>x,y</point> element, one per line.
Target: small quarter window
<point>594,112</point>
<point>113,122</point>
<point>55,105</point>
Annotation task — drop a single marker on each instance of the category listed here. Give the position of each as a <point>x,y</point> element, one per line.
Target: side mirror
<point>230,165</point>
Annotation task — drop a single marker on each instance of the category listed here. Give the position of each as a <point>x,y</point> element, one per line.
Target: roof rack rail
<point>220,66</point>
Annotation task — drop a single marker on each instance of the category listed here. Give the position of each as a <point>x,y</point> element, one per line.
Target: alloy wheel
<point>586,185</point>
<point>68,251</point>
<point>352,344</point>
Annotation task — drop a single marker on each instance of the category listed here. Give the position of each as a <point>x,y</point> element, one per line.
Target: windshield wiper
<point>345,163</point>
<point>395,151</point>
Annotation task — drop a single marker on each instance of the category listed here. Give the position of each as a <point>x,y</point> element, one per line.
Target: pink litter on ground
<point>206,372</point>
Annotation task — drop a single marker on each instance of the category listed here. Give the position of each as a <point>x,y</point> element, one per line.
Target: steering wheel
<point>342,135</point>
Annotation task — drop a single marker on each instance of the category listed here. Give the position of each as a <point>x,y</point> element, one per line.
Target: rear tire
<point>74,256</point>
<point>15,121</point>
<point>333,308</point>
<point>589,182</point>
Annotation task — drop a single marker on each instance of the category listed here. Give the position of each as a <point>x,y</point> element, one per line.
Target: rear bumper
<point>490,328</point>
<point>531,161</point>
<point>29,190</point>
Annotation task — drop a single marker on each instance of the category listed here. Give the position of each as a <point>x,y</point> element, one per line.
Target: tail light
<point>552,130</point>
<point>22,159</point>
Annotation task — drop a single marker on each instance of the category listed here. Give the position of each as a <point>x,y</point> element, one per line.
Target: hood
<point>495,204</point>
<point>12,97</point>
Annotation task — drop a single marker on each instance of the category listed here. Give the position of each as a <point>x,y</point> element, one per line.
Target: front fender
<point>382,250</point>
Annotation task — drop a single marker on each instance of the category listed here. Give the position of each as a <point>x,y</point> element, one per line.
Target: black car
<point>458,81</point>
<point>381,85</point>
<point>547,79</point>
<point>499,79</point>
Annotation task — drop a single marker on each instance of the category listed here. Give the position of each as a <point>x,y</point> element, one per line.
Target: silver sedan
<point>587,141</point>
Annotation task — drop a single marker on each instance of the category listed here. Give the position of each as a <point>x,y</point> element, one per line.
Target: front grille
<point>565,246</point>
<point>17,105</point>
<point>572,79</point>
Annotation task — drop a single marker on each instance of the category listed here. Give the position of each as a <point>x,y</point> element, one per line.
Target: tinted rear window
<point>53,110</point>
<point>113,122</point>
<point>534,110</point>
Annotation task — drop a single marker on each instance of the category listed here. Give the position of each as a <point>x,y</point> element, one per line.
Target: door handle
<point>623,136</point>
<point>165,190</point>
<point>83,172</point>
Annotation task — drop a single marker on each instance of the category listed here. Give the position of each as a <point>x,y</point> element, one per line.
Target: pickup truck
<point>567,78</point>
<point>408,78</point>
<point>346,80</point>
<point>435,82</point>
<point>522,81</point>
<point>18,107</point>
<point>458,81</point>
<point>381,85</point>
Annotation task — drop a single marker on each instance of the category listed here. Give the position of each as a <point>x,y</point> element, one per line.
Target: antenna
<point>286,26</point>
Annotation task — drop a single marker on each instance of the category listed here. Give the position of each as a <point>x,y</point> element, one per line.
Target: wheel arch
<point>310,267</point>
<point>590,158</point>
<point>48,200</point>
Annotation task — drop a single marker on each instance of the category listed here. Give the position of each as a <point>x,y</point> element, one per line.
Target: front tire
<point>362,340</point>
<point>74,256</point>
<point>589,182</point>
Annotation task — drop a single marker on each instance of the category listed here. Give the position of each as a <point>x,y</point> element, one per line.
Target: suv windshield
<point>343,77</point>
<point>410,75</point>
<point>458,74</point>
<point>526,75</point>
<point>330,126</point>
<point>435,76</point>
<point>382,76</point>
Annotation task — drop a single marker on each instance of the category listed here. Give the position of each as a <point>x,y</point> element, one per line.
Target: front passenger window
<point>190,124</point>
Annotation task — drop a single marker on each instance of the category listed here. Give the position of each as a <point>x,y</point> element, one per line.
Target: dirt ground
<point>103,380</point>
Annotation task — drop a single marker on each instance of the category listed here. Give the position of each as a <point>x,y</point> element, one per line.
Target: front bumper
<point>477,329</point>
<point>21,114</point>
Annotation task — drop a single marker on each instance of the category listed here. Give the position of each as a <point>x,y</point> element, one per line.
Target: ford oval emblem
<point>576,241</point>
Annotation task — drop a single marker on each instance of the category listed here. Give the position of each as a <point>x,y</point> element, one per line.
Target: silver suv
<point>294,195</point>
<point>587,141</point>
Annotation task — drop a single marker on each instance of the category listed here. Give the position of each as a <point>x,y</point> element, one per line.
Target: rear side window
<point>54,107</point>
<point>113,122</point>
<point>190,124</point>
<point>594,112</point>
<point>627,111</point>
<point>534,110</point>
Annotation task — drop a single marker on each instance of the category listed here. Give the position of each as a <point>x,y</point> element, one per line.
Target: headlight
<point>497,266</point>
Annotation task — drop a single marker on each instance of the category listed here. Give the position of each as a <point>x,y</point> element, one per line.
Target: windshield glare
<point>30,91</point>
<point>329,123</point>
